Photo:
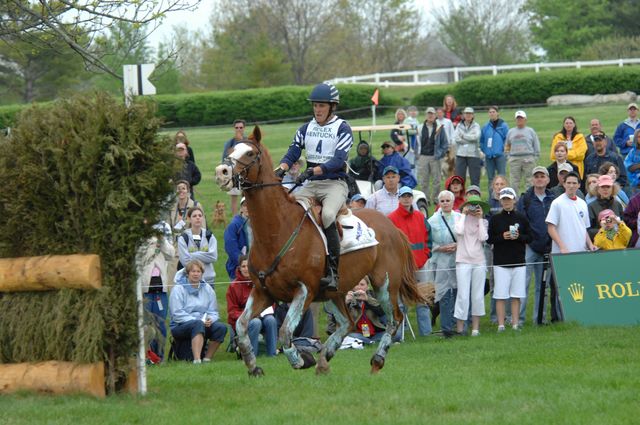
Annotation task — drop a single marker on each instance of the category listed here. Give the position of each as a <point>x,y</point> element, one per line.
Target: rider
<point>327,140</point>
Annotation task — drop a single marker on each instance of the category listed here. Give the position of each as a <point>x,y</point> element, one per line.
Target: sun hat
<point>476,200</point>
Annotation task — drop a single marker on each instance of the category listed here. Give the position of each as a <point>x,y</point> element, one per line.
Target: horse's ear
<point>256,136</point>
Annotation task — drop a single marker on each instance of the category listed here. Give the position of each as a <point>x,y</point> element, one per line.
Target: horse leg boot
<point>246,351</point>
<point>330,281</point>
<point>335,340</point>
<point>382,294</point>
<point>294,315</point>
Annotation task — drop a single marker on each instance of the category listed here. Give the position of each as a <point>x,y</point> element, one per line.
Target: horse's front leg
<point>383,296</point>
<point>343,325</point>
<point>256,303</point>
<point>294,315</point>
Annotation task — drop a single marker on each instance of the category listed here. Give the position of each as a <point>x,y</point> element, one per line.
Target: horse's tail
<point>408,285</point>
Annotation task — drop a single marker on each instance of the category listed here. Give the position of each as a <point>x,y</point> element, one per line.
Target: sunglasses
<point>239,128</point>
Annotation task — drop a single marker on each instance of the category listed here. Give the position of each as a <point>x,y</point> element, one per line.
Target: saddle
<point>354,233</point>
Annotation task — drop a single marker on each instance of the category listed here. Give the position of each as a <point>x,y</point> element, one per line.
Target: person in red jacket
<point>237,296</point>
<point>455,184</point>
<point>415,226</point>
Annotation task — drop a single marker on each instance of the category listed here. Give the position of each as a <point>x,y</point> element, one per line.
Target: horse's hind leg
<point>382,294</point>
<point>256,303</point>
<point>343,324</point>
<point>294,315</point>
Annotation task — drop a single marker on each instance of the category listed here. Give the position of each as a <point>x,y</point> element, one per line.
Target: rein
<point>262,275</point>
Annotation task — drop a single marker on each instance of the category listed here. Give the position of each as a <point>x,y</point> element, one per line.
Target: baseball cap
<point>357,197</point>
<point>507,192</point>
<point>605,180</point>
<point>431,110</point>
<point>540,169</point>
<point>390,144</point>
<point>390,169</point>
<point>632,105</point>
<point>472,188</point>
<point>468,110</point>
<point>405,190</point>
<point>521,114</point>
<point>565,167</point>
<point>605,213</point>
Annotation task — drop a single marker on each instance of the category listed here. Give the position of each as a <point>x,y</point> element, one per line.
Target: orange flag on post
<point>374,98</point>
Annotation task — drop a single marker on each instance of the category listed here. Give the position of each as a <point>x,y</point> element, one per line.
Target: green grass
<point>564,373</point>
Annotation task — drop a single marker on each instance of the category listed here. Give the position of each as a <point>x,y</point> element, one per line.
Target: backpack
<point>207,235</point>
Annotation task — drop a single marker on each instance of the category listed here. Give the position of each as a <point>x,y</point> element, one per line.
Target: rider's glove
<point>304,176</point>
<point>280,173</point>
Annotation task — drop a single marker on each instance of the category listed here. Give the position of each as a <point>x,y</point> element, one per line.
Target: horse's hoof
<point>308,360</point>
<point>377,363</point>
<point>322,370</point>
<point>256,372</point>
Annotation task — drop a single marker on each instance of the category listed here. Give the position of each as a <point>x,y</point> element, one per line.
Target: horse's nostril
<point>225,172</point>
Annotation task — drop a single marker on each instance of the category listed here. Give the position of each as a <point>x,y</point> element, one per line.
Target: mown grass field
<point>560,374</point>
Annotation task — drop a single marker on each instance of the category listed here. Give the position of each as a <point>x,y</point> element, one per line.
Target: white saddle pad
<point>356,234</point>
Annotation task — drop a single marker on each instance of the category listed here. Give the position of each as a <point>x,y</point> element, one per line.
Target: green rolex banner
<point>599,288</point>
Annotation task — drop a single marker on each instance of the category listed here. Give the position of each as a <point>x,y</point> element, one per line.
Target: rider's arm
<point>341,154</point>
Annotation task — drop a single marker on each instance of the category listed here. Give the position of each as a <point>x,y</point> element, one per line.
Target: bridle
<point>241,177</point>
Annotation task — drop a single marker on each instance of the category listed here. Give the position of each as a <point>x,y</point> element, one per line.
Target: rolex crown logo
<point>577,292</point>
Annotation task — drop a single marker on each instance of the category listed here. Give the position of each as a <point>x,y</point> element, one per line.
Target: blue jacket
<point>633,157</point>
<point>187,303</point>
<point>623,131</point>
<point>497,132</point>
<point>536,212</point>
<point>398,161</point>
<point>593,162</point>
<point>235,239</point>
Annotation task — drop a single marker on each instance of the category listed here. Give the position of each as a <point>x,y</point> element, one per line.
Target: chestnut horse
<point>287,260</point>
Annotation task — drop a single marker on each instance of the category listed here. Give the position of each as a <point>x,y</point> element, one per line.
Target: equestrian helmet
<point>325,93</point>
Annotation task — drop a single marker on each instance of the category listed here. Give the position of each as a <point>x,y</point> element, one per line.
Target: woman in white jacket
<point>153,259</point>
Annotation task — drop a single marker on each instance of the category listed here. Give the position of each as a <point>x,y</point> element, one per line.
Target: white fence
<point>443,75</point>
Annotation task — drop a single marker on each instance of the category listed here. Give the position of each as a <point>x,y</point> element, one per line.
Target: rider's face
<point>321,111</point>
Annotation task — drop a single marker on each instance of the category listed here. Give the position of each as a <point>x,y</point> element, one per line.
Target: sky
<point>199,20</point>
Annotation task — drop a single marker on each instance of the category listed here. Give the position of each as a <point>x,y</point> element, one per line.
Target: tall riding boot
<point>330,281</point>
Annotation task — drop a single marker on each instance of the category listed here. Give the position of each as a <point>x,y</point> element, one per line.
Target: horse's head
<point>243,162</point>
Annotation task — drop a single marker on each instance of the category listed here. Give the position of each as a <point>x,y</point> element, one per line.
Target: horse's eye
<point>250,154</point>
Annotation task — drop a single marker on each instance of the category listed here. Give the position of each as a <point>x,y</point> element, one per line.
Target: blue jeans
<point>536,269</point>
<point>424,319</point>
<point>447,304</point>
<point>268,326</point>
<point>157,304</point>
<point>497,165</point>
<point>191,329</point>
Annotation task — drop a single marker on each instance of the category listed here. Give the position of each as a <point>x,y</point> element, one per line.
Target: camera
<point>474,208</point>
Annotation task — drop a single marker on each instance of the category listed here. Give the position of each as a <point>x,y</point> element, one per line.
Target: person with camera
<point>509,234</point>
<point>367,314</point>
<point>613,233</point>
<point>471,269</point>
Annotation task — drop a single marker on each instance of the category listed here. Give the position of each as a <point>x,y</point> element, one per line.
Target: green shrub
<point>433,95</point>
<point>9,113</point>
<point>257,105</point>
<point>525,88</point>
<point>81,176</point>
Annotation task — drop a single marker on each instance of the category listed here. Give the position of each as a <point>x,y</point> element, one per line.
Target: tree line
<point>51,47</point>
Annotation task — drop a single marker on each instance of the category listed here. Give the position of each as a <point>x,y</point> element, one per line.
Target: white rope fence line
<point>224,282</point>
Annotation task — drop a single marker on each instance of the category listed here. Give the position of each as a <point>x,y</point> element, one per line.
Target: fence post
<point>415,77</point>
<point>578,65</point>
<point>456,74</point>
<point>495,70</point>
<point>377,78</point>
<point>620,63</point>
<point>537,68</point>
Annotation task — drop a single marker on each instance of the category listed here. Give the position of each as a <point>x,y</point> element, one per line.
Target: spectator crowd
<point>584,198</point>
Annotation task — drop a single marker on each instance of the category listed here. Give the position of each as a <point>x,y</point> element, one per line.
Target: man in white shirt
<point>385,200</point>
<point>568,220</point>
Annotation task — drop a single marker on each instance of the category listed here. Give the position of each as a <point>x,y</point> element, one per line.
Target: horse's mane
<point>267,162</point>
